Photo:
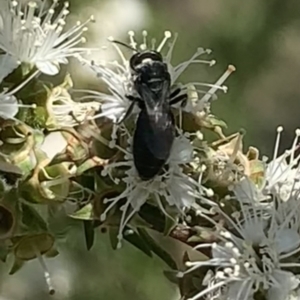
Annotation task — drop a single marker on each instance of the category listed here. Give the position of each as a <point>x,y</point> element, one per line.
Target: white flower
<point>35,36</point>
<point>201,106</point>
<point>7,65</point>
<point>118,77</point>
<point>294,296</point>
<point>119,84</point>
<point>247,193</point>
<point>282,173</point>
<point>288,211</point>
<point>177,188</point>
<point>68,113</point>
<point>254,256</point>
<point>9,105</point>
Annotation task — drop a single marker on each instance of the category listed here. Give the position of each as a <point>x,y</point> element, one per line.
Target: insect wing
<point>146,163</point>
<point>157,120</point>
<point>157,133</point>
<point>155,97</point>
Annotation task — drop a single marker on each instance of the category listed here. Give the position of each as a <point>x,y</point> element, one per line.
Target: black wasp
<point>155,127</point>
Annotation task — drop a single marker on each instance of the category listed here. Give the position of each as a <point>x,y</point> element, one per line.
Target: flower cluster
<point>34,36</point>
<point>179,184</point>
<point>255,253</point>
<point>32,115</point>
<point>133,157</point>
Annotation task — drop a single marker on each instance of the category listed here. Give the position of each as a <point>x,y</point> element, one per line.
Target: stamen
<point>219,82</point>
<point>277,143</point>
<point>210,289</point>
<point>115,45</point>
<point>178,70</point>
<point>33,105</point>
<point>215,86</point>
<point>113,202</point>
<point>199,61</point>
<point>22,84</point>
<point>236,147</point>
<point>124,221</point>
<point>295,145</point>
<point>163,42</point>
<point>45,269</point>
<point>290,265</point>
<point>171,47</point>
<point>132,43</point>
<point>153,43</point>
<point>144,46</point>
<point>98,137</point>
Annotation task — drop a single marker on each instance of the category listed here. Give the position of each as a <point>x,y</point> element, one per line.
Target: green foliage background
<point>262,39</point>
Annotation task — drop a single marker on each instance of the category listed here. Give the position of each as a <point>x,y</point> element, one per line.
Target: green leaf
<point>113,237</point>
<point>160,252</point>
<point>138,221</point>
<point>153,216</point>
<point>17,265</point>
<point>88,164</point>
<point>170,222</point>
<point>172,276</point>
<point>100,184</point>
<point>11,199</point>
<point>89,233</point>
<point>138,242</point>
<point>30,245</point>
<point>32,219</point>
<point>197,279</point>
<point>60,224</point>
<point>85,213</point>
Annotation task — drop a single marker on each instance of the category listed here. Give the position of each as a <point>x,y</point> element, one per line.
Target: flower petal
<point>7,64</point>
<point>48,67</point>
<point>287,282</point>
<point>287,240</point>
<point>8,106</point>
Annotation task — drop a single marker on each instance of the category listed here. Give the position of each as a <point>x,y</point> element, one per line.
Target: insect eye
<point>137,58</point>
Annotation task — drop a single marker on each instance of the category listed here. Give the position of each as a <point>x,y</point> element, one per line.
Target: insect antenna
<point>125,45</point>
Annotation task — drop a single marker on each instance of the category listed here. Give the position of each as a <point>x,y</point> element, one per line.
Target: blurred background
<point>261,38</point>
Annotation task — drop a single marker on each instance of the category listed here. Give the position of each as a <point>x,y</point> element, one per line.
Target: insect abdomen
<point>145,162</point>
<point>146,141</point>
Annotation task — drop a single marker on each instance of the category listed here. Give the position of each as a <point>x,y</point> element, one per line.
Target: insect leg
<point>132,98</point>
<point>130,108</point>
<point>181,98</point>
<point>127,114</point>
<point>175,92</point>
<point>125,45</point>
